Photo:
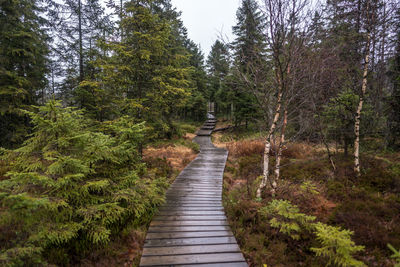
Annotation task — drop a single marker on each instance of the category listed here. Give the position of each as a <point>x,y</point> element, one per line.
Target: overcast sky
<point>206,20</point>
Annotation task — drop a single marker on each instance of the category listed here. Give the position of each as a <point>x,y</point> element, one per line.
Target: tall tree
<point>77,26</point>
<point>23,57</point>
<point>218,71</point>
<point>284,22</point>
<point>249,51</point>
<point>394,99</point>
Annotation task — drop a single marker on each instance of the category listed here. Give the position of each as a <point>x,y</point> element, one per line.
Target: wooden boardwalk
<point>191,229</point>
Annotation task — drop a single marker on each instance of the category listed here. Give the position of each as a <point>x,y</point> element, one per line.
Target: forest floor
<point>369,206</point>
<point>165,158</point>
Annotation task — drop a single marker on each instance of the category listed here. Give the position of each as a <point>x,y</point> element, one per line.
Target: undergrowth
<point>366,209</point>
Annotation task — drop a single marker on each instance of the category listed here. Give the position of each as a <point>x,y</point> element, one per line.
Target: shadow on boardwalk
<point>191,229</point>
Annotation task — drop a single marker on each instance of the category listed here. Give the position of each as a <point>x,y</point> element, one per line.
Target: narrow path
<point>191,229</point>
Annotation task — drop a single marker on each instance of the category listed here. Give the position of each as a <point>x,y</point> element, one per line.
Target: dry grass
<point>177,156</point>
<point>257,147</point>
<point>246,148</point>
<point>298,150</point>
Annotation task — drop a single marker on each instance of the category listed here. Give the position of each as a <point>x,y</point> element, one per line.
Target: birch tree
<point>370,17</point>
<point>283,20</point>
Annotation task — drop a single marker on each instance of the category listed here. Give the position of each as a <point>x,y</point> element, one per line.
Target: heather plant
<point>70,188</point>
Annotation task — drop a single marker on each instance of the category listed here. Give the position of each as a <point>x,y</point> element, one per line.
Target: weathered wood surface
<point>191,229</point>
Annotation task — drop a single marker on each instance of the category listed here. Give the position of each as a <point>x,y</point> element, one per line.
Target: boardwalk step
<point>179,250</point>
<point>191,229</point>
<point>192,259</point>
<point>175,235</point>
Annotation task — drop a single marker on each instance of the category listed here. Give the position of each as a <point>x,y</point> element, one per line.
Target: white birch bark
<point>267,149</point>
<point>357,168</point>
<point>281,143</point>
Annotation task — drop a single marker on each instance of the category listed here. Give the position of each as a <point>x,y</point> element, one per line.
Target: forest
<point>100,101</point>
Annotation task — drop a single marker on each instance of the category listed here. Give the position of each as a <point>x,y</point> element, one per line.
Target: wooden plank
<point>189,241</point>
<point>189,218</point>
<point>188,234</point>
<point>156,251</point>
<point>194,201</point>
<point>183,193</point>
<point>169,229</point>
<point>189,209</point>
<point>186,189</point>
<point>190,212</point>
<point>192,259</point>
<point>193,205</point>
<point>195,198</point>
<point>189,223</point>
<point>195,190</point>
<point>220,264</point>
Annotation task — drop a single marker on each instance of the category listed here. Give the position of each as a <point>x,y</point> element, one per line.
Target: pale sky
<point>207,20</point>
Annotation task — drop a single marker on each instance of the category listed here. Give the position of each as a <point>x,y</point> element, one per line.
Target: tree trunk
<point>357,168</point>
<point>281,142</point>
<point>267,149</point>
<point>346,146</point>
<point>80,41</point>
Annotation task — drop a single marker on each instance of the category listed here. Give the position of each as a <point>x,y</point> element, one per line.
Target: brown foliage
<point>246,148</point>
<point>257,147</point>
<point>297,150</point>
<point>176,155</point>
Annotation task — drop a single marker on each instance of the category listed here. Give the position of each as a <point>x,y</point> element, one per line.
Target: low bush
<point>335,244</point>
<point>246,148</point>
<point>70,189</point>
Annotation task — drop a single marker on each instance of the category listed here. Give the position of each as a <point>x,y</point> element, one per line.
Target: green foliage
<point>287,218</point>
<point>73,187</point>
<point>218,70</point>
<point>250,62</point>
<point>336,245</point>
<point>396,255</point>
<point>338,116</point>
<point>23,52</point>
<point>309,187</point>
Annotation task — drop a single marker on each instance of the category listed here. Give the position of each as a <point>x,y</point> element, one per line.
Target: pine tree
<point>394,102</point>
<point>218,67</point>
<point>23,52</point>
<point>77,26</point>
<point>249,49</point>
<point>70,188</point>
<point>197,104</point>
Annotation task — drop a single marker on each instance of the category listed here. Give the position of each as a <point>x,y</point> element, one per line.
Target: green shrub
<point>69,188</point>
<point>309,187</point>
<point>396,255</point>
<point>287,218</point>
<point>336,244</point>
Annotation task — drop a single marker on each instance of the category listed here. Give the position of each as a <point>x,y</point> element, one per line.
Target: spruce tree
<point>70,188</point>
<point>249,51</point>
<point>218,67</point>
<point>394,99</point>
<point>23,58</point>
<point>77,26</point>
